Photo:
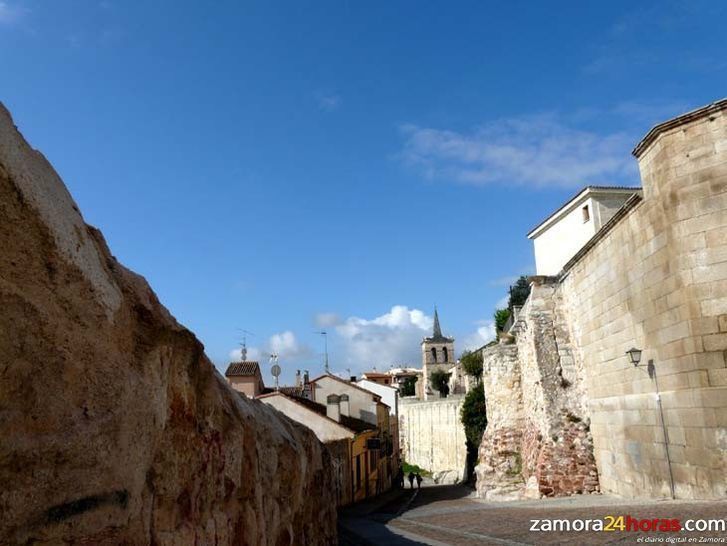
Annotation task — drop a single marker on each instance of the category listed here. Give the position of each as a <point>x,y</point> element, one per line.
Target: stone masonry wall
<point>538,441</point>
<point>432,437</point>
<point>499,472</point>
<point>658,282</point>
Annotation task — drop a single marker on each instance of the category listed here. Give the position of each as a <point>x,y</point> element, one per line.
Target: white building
<point>560,236</point>
<point>363,404</point>
<point>389,395</point>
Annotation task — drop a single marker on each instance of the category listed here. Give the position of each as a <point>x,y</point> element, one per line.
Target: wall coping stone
<point>655,131</point>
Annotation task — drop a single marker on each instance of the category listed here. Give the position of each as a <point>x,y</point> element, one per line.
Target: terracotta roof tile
<point>242,369</point>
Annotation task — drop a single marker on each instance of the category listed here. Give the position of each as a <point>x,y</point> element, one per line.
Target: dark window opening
<point>586,214</point>
<point>358,471</point>
<point>446,354</point>
<point>434,354</point>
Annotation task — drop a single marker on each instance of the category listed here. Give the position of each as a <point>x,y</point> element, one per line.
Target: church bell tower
<point>437,353</point>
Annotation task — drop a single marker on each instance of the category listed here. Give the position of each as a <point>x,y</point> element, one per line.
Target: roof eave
<point>573,201</point>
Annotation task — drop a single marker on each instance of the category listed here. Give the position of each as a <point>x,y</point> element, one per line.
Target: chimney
<point>333,407</point>
<point>297,378</point>
<point>345,405</point>
<point>305,377</point>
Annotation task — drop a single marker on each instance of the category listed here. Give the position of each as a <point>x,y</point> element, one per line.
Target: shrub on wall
<point>440,382</point>
<point>474,418</point>
<point>472,363</point>
<point>519,292</point>
<point>408,387</point>
<point>501,316</point>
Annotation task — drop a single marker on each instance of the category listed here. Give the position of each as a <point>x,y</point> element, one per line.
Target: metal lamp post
<point>635,359</point>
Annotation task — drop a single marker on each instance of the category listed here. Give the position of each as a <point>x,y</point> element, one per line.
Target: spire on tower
<point>437,336</point>
<point>437,332</point>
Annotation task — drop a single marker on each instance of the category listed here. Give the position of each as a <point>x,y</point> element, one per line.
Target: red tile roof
<point>242,369</point>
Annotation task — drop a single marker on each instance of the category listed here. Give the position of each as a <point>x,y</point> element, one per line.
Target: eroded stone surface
<point>115,427</point>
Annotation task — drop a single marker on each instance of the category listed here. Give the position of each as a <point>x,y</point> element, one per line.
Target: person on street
<point>411,480</point>
<point>419,480</point>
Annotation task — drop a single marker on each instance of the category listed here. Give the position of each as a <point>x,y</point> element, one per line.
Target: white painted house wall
<point>560,237</point>
<point>389,395</point>
<point>362,402</point>
<point>324,428</point>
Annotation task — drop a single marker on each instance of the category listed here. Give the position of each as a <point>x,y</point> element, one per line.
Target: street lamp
<point>635,358</point>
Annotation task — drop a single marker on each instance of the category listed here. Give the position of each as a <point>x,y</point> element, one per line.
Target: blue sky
<point>284,167</point>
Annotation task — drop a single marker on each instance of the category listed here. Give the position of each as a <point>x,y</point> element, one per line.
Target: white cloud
<point>484,334</point>
<point>540,150</point>
<point>326,320</point>
<point>253,353</point>
<point>10,14</point>
<point>391,338</point>
<point>284,344</point>
<point>328,102</point>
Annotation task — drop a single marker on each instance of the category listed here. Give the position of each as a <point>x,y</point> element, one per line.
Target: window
<point>446,354</point>
<point>434,354</point>
<point>586,214</point>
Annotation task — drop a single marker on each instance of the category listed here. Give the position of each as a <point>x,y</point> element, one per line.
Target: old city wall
<point>537,442</point>
<point>499,472</point>
<point>654,278</point>
<point>115,427</point>
<point>658,281</point>
<point>432,437</point>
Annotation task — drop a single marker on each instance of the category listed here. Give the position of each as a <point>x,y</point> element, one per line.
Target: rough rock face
<point>115,428</point>
<point>538,441</point>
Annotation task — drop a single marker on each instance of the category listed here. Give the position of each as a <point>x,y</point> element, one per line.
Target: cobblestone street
<point>452,515</point>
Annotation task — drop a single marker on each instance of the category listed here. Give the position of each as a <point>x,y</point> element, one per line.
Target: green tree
<point>519,292</point>
<point>408,388</point>
<point>440,382</point>
<point>474,418</point>
<point>472,363</point>
<point>501,316</point>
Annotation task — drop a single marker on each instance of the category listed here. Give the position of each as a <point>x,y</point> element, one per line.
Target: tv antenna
<point>275,369</point>
<point>243,344</point>
<point>325,340</point>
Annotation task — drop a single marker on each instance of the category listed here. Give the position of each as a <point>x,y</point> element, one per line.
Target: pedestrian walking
<point>419,480</point>
<point>411,480</point>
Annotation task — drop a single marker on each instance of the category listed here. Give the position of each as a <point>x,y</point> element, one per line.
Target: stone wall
<point>658,281</point>
<point>654,278</point>
<point>115,427</point>
<point>537,442</point>
<point>432,436</point>
<point>499,472</point>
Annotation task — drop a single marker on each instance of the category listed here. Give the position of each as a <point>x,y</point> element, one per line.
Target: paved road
<point>451,515</point>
